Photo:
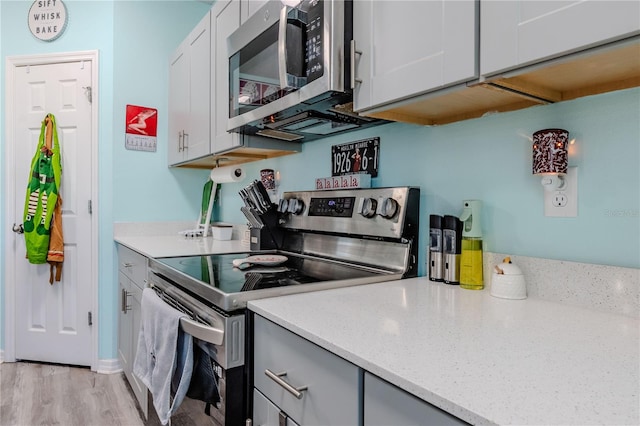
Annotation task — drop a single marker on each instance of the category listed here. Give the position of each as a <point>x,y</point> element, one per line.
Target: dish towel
<point>164,354</point>
<point>205,382</point>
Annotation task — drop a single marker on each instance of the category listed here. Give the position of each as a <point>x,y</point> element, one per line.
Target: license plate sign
<point>356,157</point>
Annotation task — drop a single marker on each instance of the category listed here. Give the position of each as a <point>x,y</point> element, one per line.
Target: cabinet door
<point>515,33</point>
<point>178,103</point>
<point>125,331</point>
<point>265,412</point>
<point>385,404</point>
<point>226,19</point>
<point>197,141</point>
<point>412,47</point>
<point>249,7</point>
<point>135,312</point>
<point>328,384</point>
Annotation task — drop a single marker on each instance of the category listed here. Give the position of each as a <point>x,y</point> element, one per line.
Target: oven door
<point>222,337</point>
<point>283,56</point>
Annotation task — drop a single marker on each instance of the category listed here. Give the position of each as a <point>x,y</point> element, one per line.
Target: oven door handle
<point>202,332</point>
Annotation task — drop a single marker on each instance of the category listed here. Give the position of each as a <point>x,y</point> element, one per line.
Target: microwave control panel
<point>314,65</point>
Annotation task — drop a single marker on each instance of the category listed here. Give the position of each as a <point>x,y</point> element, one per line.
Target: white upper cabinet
<point>178,103</point>
<point>226,19</point>
<point>407,48</point>
<point>189,96</point>
<point>516,33</point>
<point>249,7</point>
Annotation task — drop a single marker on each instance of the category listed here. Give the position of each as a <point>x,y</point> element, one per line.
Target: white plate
<point>259,259</point>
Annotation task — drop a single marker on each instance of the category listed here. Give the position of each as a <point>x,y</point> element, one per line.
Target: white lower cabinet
<point>132,278</point>
<point>385,404</point>
<point>309,384</point>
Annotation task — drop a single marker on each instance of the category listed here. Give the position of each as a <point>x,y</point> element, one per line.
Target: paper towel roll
<point>227,174</point>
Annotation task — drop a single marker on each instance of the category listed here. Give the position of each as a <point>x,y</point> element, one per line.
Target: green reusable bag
<point>42,192</point>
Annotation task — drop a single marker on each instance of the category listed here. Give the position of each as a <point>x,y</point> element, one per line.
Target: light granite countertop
<point>483,359</point>
<point>159,239</point>
<point>176,245</point>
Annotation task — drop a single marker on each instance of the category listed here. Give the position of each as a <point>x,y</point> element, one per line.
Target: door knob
<point>18,229</point>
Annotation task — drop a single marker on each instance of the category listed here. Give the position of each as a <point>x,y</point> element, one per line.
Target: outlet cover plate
<point>568,193</point>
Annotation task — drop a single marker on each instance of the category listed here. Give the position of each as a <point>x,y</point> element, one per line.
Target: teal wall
<point>486,158</point>
<point>134,40</point>
<point>489,158</point>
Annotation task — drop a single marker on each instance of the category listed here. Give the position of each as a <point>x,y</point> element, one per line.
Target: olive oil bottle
<point>471,274</point>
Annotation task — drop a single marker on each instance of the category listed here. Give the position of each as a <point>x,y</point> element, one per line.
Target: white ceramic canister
<point>221,232</point>
<point>507,281</point>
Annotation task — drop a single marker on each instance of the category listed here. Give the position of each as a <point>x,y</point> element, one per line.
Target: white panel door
<point>515,33</point>
<point>51,320</point>
<point>412,47</point>
<point>178,104</point>
<point>197,141</point>
<point>225,20</point>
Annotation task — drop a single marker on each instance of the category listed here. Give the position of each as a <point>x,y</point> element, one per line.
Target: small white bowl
<point>510,285</point>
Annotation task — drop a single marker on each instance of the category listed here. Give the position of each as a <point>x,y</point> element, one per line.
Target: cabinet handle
<point>185,139</point>
<point>123,299</point>
<point>127,264</point>
<point>180,141</point>
<point>354,80</point>
<point>276,377</point>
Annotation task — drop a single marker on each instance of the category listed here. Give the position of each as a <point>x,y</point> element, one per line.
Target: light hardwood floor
<point>51,394</point>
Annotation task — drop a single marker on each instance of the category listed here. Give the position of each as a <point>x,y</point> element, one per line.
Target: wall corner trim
<point>109,366</point>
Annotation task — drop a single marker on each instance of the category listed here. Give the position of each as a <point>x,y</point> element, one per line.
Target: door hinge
<point>90,207</point>
<point>89,318</point>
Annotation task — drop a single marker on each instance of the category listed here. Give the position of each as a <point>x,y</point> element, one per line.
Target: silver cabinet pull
<point>127,264</point>
<point>354,80</point>
<point>124,306</point>
<point>180,141</point>
<point>276,377</point>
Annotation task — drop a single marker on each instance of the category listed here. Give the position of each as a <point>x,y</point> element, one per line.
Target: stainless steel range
<point>330,239</point>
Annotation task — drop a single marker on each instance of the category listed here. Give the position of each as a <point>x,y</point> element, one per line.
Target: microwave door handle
<point>282,49</point>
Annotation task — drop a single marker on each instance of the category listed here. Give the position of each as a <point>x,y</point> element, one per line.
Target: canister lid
<point>508,268</point>
<point>435,221</point>
<point>452,222</point>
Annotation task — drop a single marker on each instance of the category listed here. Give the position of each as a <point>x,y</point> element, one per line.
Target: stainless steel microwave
<point>290,72</point>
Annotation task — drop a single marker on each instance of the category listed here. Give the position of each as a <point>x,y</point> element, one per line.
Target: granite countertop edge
<point>412,314</point>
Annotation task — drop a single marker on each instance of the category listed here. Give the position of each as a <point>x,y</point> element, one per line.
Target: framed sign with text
<point>356,157</point>
<point>47,19</point>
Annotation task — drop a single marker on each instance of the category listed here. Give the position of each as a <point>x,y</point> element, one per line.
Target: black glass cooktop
<point>218,271</point>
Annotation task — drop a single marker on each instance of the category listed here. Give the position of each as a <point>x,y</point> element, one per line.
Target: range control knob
<point>283,205</point>
<point>296,206</point>
<point>369,207</point>
<point>388,208</point>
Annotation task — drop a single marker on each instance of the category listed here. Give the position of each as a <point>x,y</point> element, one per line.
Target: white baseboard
<point>1,356</point>
<point>109,366</point>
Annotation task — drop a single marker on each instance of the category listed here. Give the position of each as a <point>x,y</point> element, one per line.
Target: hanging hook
<point>87,92</point>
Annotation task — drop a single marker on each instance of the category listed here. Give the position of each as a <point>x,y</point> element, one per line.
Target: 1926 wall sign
<point>47,19</point>
<point>356,157</point>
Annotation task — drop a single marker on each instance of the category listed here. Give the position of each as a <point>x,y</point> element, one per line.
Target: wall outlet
<point>564,202</point>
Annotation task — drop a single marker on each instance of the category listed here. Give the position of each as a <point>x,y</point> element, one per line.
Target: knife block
<point>270,236</point>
